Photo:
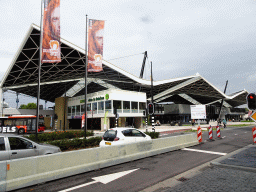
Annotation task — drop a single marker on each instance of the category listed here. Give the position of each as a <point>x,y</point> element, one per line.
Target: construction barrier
<point>218,131</point>
<point>199,134</point>
<point>210,132</point>
<point>19,173</point>
<point>254,134</point>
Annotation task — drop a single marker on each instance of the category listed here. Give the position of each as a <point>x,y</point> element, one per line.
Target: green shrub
<point>76,143</point>
<point>59,135</point>
<point>153,135</point>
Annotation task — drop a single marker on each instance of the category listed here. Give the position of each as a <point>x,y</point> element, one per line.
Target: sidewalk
<point>168,128</point>
<point>233,172</point>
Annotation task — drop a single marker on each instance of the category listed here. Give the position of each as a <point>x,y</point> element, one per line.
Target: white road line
<point>223,137</point>
<point>203,151</point>
<point>79,186</point>
<point>235,134</point>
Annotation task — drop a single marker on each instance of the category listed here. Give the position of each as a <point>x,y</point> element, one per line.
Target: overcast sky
<point>214,38</point>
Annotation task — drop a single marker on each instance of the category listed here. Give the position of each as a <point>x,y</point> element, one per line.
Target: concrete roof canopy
<point>68,77</point>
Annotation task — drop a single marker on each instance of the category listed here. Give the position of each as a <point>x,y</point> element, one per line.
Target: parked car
<point>123,135</point>
<point>15,147</point>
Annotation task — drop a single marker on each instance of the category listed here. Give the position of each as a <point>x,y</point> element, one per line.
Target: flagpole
<point>85,83</point>
<point>39,73</point>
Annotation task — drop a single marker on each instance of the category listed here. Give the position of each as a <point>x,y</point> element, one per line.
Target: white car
<point>123,135</point>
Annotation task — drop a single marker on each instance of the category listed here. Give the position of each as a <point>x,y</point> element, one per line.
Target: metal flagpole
<point>39,72</point>
<point>85,84</point>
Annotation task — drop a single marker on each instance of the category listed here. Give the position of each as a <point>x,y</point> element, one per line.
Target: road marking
<point>203,151</point>
<point>102,179</point>
<point>223,137</point>
<point>235,134</point>
<point>164,134</point>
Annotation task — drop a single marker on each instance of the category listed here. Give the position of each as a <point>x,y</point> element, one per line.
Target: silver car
<point>15,147</point>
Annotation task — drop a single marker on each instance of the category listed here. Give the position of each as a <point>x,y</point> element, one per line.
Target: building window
<point>101,107</point>
<point>78,110</point>
<point>73,108</point>
<point>126,106</point>
<point>134,107</point>
<point>108,106</point>
<point>94,108</point>
<point>142,107</point>
<point>88,107</point>
<point>117,105</point>
<point>69,111</point>
<point>82,109</point>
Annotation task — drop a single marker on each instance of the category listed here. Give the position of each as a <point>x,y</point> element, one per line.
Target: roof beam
<point>190,99</point>
<point>42,83</point>
<point>80,85</point>
<point>175,88</point>
<point>161,99</point>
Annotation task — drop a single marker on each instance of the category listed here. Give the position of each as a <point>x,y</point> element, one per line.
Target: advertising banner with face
<point>95,45</point>
<point>51,32</point>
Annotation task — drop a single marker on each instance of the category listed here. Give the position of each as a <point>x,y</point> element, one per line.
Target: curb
<point>216,162</point>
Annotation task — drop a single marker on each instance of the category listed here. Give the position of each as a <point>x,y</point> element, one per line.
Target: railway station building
<point>113,88</point>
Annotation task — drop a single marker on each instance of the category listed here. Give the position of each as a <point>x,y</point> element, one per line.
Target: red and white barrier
<point>218,131</point>
<point>254,134</point>
<point>210,132</point>
<point>199,134</point>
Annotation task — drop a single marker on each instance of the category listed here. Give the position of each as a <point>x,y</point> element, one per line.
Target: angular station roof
<point>68,77</point>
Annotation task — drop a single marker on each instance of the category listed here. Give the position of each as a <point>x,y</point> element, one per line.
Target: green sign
<point>107,96</point>
<point>94,99</point>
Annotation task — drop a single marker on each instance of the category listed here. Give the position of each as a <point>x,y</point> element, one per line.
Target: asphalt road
<point>153,169</point>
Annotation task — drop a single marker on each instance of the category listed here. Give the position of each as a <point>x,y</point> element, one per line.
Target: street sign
<point>253,116</point>
<point>198,111</point>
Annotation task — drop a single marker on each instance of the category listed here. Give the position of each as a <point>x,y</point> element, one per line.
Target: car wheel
<point>21,131</point>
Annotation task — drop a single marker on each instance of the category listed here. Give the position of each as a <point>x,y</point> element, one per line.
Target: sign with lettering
<point>93,99</point>
<point>8,129</point>
<point>198,111</point>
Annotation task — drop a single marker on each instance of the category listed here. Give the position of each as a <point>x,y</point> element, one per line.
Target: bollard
<point>199,135</point>
<point>210,134</point>
<point>254,134</point>
<point>218,132</point>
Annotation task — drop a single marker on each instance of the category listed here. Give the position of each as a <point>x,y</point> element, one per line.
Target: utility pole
<point>152,101</point>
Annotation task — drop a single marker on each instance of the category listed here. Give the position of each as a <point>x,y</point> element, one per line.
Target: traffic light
<point>150,108</point>
<point>251,101</point>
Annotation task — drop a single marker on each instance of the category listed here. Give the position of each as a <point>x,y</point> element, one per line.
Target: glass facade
<point>134,107</point>
<point>117,105</point>
<point>127,106</point>
<point>101,107</point>
<point>108,106</point>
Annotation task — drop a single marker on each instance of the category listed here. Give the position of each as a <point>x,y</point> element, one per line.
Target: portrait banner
<point>95,45</point>
<point>51,32</point>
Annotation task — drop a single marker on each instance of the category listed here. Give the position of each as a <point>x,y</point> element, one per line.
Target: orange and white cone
<point>199,134</point>
<point>254,134</point>
<point>218,131</point>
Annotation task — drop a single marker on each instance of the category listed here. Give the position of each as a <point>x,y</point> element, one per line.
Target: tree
<point>28,106</point>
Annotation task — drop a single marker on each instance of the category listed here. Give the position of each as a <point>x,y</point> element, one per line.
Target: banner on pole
<point>95,45</point>
<point>51,32</point>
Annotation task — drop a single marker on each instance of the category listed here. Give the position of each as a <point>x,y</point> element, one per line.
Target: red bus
<point>21,124</point>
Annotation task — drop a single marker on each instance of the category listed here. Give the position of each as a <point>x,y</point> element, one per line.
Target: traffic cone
<point>254,135</point>
<point>210,135</point>
<point>199,135</point>
<point>218,132</point>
